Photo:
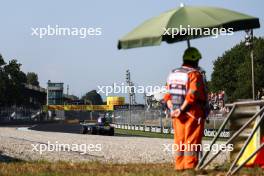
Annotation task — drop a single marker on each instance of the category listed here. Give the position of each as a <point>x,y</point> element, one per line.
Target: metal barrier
<point>145,128</point>
<point>239,112</point>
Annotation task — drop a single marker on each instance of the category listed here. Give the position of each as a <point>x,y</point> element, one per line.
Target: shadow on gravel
<point>7,159</point>
<point>65,128</point>
<point>58,127</point>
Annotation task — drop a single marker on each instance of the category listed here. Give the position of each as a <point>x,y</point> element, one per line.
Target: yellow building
<point>115,100</point>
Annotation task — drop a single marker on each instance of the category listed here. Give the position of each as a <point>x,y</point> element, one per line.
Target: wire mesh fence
<point>18,113</point>
<point>139,117</point>
<point>158,121</point>
<point>156,117</point>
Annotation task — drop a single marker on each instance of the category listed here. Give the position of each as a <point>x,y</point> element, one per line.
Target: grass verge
<point>42,168</point>
<point>142,133</point>
<point>152,134</point>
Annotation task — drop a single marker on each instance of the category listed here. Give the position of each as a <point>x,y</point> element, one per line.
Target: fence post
<point>161,123</point>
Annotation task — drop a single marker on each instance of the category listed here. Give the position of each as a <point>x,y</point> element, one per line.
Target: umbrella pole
<point>188,43</point>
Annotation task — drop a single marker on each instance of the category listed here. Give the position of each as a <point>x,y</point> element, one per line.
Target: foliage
<point>232,71</point>
<point>12,83</point>
<point>32,78</point>
<point>93,97</point>
<point>3,78</point>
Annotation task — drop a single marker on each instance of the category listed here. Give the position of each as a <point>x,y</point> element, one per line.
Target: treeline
<point>12,82</point>
<point>232,71</point>
<point>92,97</point>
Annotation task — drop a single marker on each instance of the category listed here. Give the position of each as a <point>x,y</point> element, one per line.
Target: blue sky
<point>86,63</point>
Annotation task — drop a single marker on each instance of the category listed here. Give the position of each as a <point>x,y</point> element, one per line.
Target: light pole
<point>129,96</point>
<point>133,95</point>
<point>90,103</point>
<point>249,43</point>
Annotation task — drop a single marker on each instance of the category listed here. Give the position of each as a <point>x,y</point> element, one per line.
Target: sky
<point>86,63</point>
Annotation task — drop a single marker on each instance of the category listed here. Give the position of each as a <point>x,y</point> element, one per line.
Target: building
<point>35,97</point>
<point>55,93</point>
<point>115,100</point>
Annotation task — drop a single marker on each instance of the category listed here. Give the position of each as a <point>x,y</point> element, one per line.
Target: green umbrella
<point>169,27</point>
<point>155,30</point>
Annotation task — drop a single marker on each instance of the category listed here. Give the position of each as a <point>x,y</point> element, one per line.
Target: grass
<point>42,168</point>
<point>142,133</point>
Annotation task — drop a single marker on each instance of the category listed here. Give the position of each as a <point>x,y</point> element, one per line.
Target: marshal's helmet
<point>192,54</point>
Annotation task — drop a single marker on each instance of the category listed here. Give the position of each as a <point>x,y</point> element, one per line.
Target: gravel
<point>20,143</point>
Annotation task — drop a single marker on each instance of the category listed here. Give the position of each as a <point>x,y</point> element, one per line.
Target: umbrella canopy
<point>155,30</point>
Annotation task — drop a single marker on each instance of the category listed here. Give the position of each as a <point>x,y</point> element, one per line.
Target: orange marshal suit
<point>187,83</point>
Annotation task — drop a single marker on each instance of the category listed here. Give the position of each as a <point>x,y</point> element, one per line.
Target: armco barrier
<point>157,129</point>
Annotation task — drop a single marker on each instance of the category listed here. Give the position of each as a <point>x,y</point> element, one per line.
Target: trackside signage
<point>157,129</point>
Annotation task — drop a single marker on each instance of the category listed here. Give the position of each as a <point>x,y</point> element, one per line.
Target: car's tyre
<point>101,131</point>
<point>111,131</point>
<point>84,130</point>
<point>93,130</point>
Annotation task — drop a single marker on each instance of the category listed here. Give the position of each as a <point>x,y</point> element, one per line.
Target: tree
<point>12,83</point>
<point>16,80</point>
<point>3,78</point>
<point>93,97</point>
<point>2,62</point>
<point>232,71</point>
<point>32,78</point>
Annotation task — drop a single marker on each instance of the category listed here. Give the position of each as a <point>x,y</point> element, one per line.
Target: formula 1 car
<point>103,126</point>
